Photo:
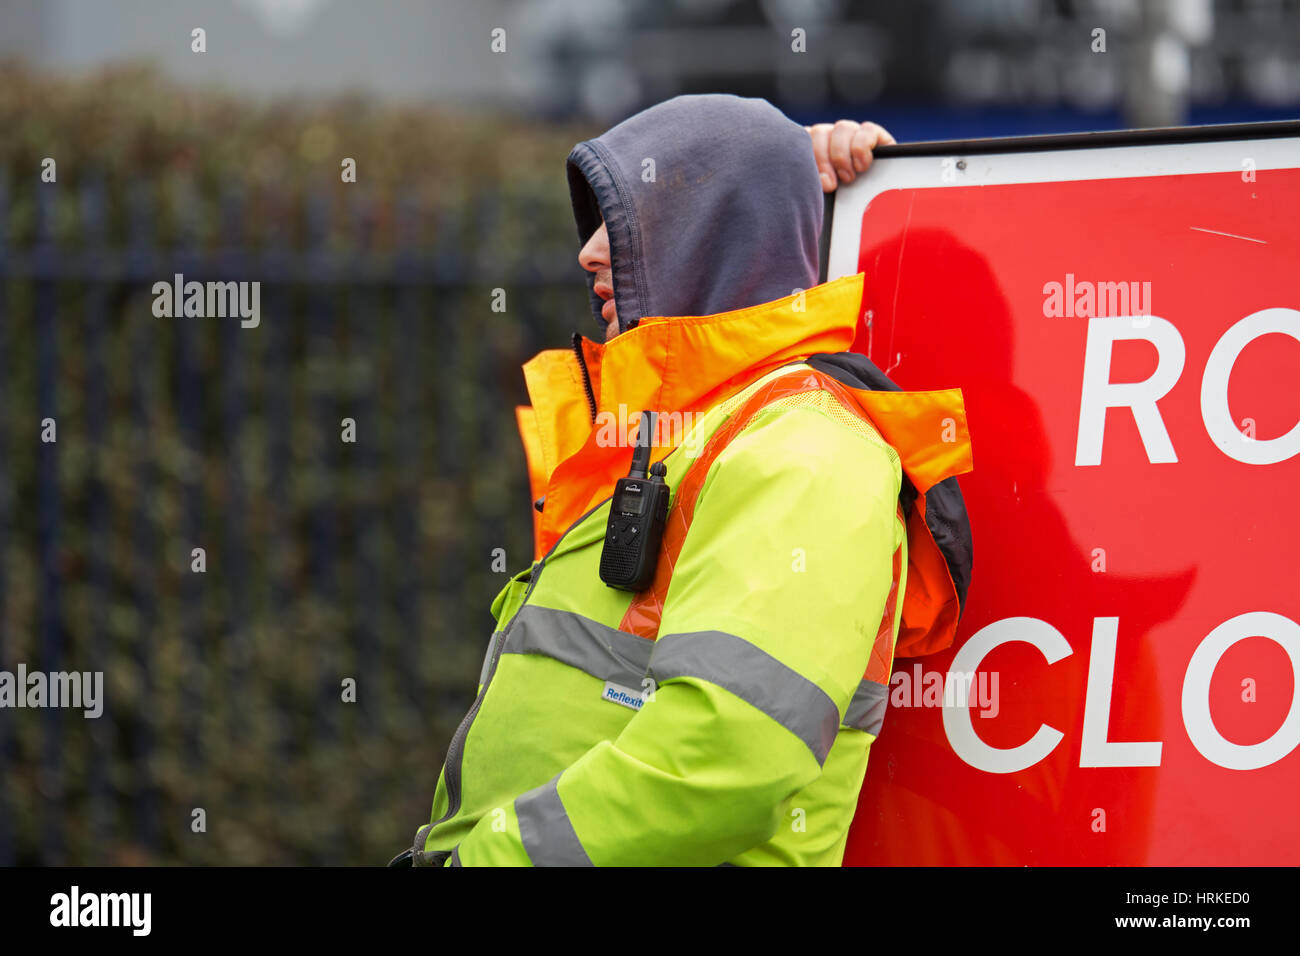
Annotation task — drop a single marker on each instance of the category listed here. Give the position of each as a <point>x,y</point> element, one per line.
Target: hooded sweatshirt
<point>713,203</point>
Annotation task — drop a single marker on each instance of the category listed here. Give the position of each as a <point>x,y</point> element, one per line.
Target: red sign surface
<point>1129,351</point>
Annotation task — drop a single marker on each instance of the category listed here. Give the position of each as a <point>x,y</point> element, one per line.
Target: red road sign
<point>1124,321</point>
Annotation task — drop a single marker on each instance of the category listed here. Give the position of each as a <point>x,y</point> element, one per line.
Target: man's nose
<point>594,256</point>
<point>590,259</point>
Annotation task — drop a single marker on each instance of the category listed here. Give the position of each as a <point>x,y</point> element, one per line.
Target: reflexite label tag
<point>618,694</point>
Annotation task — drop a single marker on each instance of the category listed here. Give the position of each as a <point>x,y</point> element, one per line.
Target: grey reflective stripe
<point>455,856</point>
<point>596,649</point>
<point>545,830</point>
<point>487,658</point>
<point>754,676</point>
<point>866,711</point>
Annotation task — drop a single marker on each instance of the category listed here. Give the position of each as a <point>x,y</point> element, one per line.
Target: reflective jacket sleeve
<point>766,632</point>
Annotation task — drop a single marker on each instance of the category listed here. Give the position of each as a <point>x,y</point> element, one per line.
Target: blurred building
<point>402,49</point>
<point>964,66</point>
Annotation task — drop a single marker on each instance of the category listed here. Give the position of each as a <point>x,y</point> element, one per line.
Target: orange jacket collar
<point>665,364</point>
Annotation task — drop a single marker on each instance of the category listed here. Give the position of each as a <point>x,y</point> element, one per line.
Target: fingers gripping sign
<point>844,148</point>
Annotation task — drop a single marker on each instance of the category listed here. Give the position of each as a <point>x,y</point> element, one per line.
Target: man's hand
<point>844,149</point>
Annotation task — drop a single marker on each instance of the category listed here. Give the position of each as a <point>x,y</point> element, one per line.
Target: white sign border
<point>1040,166</point>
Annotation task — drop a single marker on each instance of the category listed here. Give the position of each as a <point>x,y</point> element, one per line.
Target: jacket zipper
<point>455,750</point>
<point>586,377</point>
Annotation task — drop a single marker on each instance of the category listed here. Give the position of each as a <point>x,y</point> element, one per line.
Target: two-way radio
<point>637,514</point>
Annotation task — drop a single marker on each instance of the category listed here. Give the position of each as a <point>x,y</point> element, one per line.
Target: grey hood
<point>713,203</point>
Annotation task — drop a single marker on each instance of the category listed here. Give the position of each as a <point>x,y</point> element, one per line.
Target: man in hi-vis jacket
<point>722,710</point>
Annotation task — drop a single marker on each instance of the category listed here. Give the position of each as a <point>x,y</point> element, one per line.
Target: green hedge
<point>325,560</point>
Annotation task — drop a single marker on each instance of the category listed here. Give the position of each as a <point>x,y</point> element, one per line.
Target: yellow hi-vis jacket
<point>726,714</point>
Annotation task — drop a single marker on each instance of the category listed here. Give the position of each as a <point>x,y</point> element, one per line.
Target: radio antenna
<point>641,456</point>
